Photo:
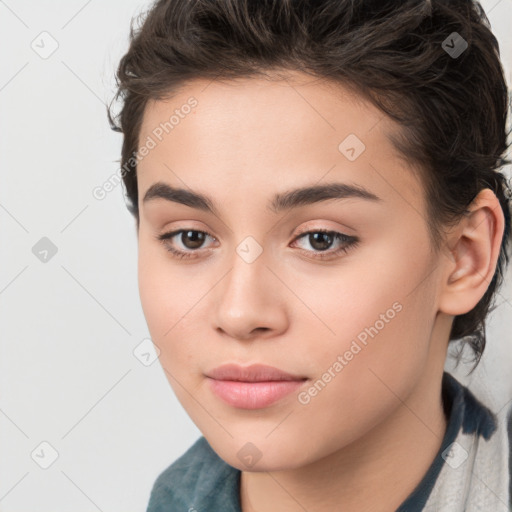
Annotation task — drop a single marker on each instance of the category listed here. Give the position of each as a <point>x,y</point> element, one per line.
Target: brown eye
<point>192,239</point>
<point>321,240</point>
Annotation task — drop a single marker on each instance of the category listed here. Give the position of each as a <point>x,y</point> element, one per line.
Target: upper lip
<point>252,373</point>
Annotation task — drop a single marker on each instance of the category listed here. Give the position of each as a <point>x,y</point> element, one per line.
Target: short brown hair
<point>452,108</point>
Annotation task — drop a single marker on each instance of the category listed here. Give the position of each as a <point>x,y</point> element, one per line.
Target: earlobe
<point>475,249</point>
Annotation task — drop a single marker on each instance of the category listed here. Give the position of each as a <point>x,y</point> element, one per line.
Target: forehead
<point>254,133</point>
<point>294,107</point>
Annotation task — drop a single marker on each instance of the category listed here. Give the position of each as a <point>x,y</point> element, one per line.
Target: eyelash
<point>350,242</point>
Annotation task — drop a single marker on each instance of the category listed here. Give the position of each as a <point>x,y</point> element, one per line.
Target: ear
<point>474,245</point>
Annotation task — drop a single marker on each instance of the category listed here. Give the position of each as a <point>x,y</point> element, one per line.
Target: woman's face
<point>351,312</point>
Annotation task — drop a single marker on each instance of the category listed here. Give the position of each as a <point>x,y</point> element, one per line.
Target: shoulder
<point>198,476</point>
<point>476,463</point>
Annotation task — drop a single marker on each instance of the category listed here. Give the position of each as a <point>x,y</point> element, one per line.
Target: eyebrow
<point>294,198</point>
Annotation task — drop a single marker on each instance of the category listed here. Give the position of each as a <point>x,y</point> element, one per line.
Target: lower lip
<point>253,395</point>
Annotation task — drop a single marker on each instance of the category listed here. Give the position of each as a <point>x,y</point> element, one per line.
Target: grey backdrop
<point>86,423</point>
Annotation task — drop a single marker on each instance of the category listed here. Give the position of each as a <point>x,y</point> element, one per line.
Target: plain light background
<point>70,326</point>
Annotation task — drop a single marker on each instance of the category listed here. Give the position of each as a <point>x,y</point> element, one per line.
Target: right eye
<point>192,237</point>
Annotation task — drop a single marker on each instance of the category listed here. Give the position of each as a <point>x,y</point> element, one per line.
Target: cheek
<point>372,360</point>
<point>345,300</point>
<point>161,298</point>
<point>164,289</point>
<point>151,287</point>
<point>169,299</point>
<point>376,313</point>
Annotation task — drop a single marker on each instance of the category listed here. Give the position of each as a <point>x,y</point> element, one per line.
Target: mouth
<point>252,373</point>
<point>252,387</point>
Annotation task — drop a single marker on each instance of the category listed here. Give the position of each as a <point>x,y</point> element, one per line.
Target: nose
<point>251,301</point>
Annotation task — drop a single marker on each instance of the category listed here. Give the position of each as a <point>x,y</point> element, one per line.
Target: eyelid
<point>313,226</point>
<point>348,242</point>
<point>308,227</point>
<point>166,235</point>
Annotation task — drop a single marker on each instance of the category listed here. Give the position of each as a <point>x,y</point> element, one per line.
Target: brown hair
<point>402,56</point>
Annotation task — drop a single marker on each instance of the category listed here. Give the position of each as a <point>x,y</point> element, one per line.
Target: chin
<point>259,453</point>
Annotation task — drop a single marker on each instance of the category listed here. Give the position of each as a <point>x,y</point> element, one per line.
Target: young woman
<point>320,211</point>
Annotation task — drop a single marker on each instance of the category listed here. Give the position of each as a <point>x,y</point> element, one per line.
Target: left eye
<point>320,240</point>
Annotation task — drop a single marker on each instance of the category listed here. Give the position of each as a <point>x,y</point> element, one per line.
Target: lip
<point>252,373</point>
<point>252,387</point>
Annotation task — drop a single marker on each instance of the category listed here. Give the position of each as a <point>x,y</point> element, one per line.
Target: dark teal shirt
<point>200,481</point>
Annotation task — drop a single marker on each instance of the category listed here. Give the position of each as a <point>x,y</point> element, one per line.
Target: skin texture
<point>368,437</point>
